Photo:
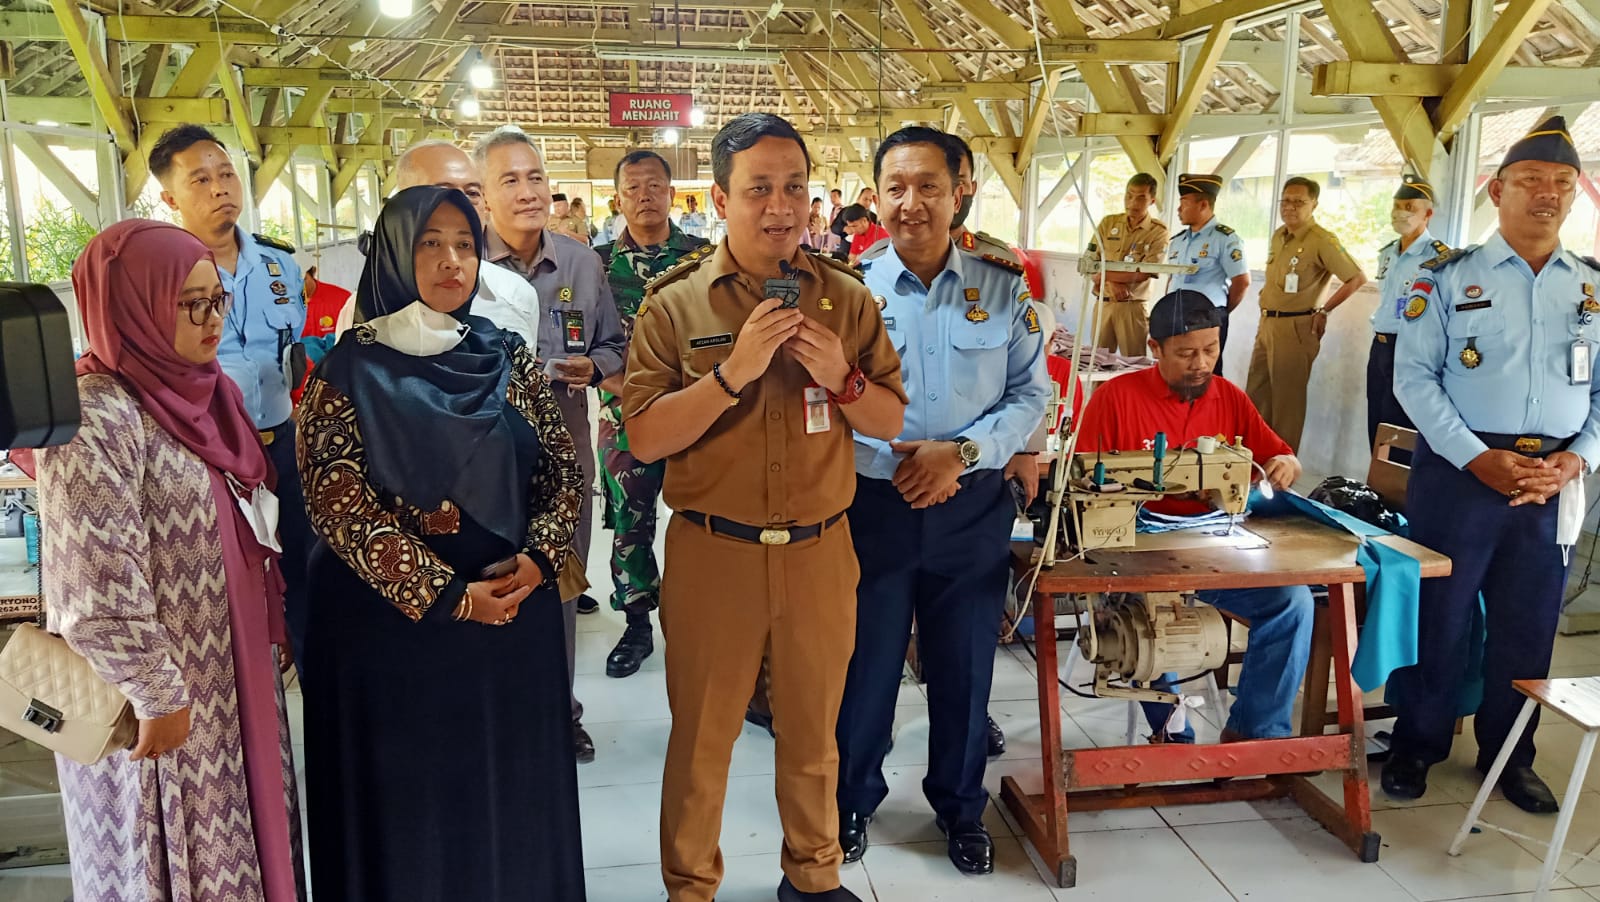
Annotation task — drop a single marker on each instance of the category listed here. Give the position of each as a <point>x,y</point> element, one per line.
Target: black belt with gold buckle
<point>1384,338</point>
<point>1274,314</point>
<point>760,535</point>
<point>1530,445</point>
<point>268,436</point>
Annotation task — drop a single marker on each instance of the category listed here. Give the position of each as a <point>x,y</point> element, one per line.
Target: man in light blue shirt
<point>1495,366</point>
<point>932,515</point>
<point>1224,273</point>
<point>1398,263</point>
<point>260,347</point>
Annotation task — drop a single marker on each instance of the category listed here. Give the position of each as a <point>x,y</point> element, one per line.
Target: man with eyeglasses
<point>649,246</point>
<point>260,349</point>
<point>1301,259</point>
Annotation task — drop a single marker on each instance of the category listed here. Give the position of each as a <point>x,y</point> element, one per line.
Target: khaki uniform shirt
<point>756,464</point>
<point>1314,254</point>
<point>1145,244</point>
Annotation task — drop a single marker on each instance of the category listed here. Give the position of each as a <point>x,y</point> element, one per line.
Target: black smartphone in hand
<point>499,569</point>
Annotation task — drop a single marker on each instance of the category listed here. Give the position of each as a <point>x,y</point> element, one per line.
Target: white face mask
<point>260,511</point>
<point>418,330</point>
<point>1404,223</point>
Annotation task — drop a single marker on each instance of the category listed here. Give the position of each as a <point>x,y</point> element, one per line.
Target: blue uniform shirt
<point>1219,253</point>
<point>972,357</point>
<point>1397,272</point>
<point>1522,327</point>
<point>268,315</point>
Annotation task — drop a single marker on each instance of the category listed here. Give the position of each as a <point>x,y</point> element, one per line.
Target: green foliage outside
<point>272,228</point>
<point>53,237</point>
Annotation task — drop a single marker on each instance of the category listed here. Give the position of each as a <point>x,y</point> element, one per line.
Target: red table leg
<point>1044,817</point>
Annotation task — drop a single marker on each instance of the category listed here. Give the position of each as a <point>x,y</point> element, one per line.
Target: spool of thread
<point>30,532</point>
<point>1206,444</point>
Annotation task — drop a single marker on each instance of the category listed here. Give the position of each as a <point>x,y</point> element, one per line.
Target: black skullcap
<point>1181,312</point>
<point>1549,142</point>
<point>557,196</point>
<point>1414,188</point>
<point>1193,183</point>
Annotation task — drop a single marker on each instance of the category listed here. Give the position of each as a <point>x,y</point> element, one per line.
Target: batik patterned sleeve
<point>96,552</point>
<point>557,486</point>
<point>346,511</point>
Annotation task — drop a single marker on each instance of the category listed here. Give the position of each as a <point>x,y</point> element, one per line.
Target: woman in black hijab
<point>444,491</point>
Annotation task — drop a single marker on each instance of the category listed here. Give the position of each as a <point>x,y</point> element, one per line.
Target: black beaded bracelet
<point>716,370</point>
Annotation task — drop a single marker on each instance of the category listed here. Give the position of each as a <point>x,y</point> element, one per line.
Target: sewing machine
<point>1107,488</point>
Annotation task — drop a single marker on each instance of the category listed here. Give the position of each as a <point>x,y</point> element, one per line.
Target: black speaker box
<point>38,387</point>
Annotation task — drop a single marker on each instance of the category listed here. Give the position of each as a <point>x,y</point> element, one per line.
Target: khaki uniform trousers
<point>724,604</point>
<point>1124,328</point>
<point>1280,370</point>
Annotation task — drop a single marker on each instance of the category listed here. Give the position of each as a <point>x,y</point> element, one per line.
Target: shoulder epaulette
<point>1226,230</point>
<point>1593,263</point>
<point>1440,248</point>
<point>878,249</point>
<point>683,268</point>
<point>1439,263</point>
<point>1001,262</point>
<point>834,263</point>
<point>1394,243</point>
<point>284,246</point>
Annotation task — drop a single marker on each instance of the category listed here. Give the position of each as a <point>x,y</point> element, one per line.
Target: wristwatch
<point>855,385</point>
<point>1323,311</point>
<point>970,452</point>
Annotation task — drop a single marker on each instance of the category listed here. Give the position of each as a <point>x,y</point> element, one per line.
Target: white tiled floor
<point>1249,852</point>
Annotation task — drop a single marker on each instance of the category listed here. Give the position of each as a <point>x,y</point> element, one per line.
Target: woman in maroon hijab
<point>160,568</point>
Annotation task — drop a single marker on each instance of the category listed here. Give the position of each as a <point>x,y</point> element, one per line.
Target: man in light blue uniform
<point>260,347</point>
<point>1224,274</point>
<point>1495,366</point>
<point>1398,263</point>
<point>932,515</point>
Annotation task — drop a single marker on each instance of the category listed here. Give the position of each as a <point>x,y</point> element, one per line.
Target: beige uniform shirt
<point>1310,256</point>
<point>757,464</point>
<point>1145,244</point>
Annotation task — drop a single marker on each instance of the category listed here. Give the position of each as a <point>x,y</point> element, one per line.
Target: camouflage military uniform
<point>631,487</point>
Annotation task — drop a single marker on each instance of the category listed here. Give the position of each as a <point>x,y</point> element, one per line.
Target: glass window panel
<point>1358,169</point>
<point>58,181</point>
<point>997,210</point>
<point>276,213</point>
<point>1249,191</point>
<point>1060,223</point>
<point>1581,231</point>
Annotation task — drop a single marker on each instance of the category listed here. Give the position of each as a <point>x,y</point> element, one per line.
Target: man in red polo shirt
<point>1181,397</point>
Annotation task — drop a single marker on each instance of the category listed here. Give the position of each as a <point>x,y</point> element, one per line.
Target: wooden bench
<point>1578,702</point>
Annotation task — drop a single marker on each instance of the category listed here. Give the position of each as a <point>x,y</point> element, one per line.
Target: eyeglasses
<point>200,309</point>
<point>1293,204</point>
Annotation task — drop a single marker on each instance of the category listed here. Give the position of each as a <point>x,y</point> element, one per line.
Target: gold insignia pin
<point>977,315</point>
<point>972,295</point>
<point>825,303</point>
<point>1470,358</point>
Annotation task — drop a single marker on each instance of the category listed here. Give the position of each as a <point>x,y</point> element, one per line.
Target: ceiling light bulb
<point>481,75</point>
<point>470,108</point>
<point>395,9</point>
<point>669,136</point>
<point>697,117</point>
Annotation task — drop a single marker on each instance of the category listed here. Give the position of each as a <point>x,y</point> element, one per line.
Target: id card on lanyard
<point>569,324</point>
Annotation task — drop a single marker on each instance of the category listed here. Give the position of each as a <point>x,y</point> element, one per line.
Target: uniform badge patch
<point>1237,255</point>
<point>1422,285</point>
<point>979,315</point>
<point>280,289</point>
<point>1417,306</point>
<point>565,294</point>
<point>1474,291</point>
<point>972,295</point>
<point>274,269</point>
<point>1590,305</point>
<point>1470,358</point>
<point>1031,317</point>
<point>881,302</point>
<point>825,303</point>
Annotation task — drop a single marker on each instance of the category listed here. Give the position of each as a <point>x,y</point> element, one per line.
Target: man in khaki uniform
<point>753,404</point>
<point>1300,260</point>
<point>1133,236</point>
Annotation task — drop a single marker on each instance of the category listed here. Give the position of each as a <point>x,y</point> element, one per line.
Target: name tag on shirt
<point>711,341</point>
<point>819,416</point>
<point>1582,368</point>
<point>1475,305</point>
<point>1291,283</point>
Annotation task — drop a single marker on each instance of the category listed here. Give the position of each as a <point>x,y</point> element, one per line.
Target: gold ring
<point>1515,492</point>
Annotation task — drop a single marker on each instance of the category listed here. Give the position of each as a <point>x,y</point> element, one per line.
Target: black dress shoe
<point>853,835</point>
<point>1524,789</point>
<point>586,604</point>
<point>582,744</point>
<point>788,893</point>
<point>971,850</point>
<point>997,739</point>
<point>636,644</point>
<point>1405,776</point>
<point>759,719</point>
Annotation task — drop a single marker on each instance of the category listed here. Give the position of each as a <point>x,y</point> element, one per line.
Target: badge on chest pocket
<point>572,331</point>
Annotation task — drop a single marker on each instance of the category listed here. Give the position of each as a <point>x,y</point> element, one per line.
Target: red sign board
<point>651,110</point>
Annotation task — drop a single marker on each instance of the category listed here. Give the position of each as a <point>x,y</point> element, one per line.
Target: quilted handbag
<point>50,695</point>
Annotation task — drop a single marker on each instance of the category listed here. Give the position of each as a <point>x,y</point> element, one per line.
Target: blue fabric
<point>268,314</point>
